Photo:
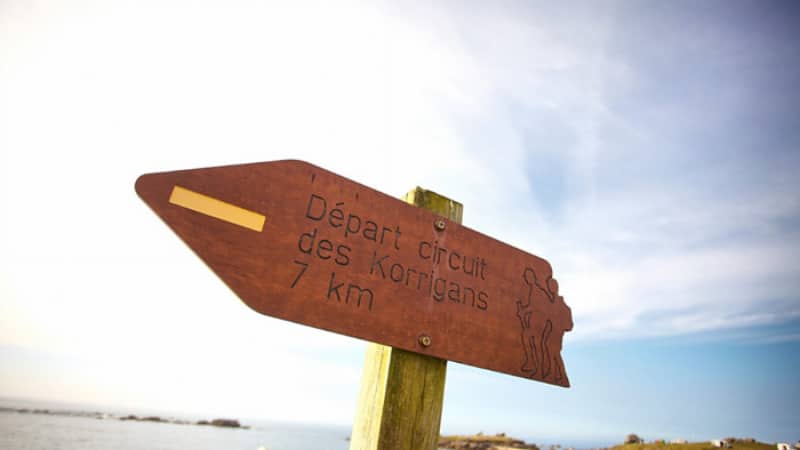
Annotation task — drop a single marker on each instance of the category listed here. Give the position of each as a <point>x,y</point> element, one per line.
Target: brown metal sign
<point>297,242</point>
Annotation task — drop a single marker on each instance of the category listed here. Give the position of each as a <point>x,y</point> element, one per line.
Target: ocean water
<point>85,427</point>
<point>37,431</point>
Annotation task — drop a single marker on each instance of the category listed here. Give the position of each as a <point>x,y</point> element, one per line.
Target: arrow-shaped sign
<point>297,242</point>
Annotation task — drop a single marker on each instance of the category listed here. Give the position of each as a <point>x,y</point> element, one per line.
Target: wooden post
<point>400,404</point>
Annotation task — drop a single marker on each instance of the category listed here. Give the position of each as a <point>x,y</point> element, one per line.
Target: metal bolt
<point>425,340</point>
<point>439,224</point>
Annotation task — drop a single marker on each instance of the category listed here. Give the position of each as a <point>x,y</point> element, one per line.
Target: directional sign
<point>300,243</point>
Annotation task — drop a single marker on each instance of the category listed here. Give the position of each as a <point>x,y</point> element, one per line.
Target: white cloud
<point>461,100</point>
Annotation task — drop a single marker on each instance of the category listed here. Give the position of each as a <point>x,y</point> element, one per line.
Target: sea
<point>40,425</point>
<point>35,425</point>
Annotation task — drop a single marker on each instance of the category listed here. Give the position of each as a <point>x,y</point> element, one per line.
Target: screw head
<point>439,224</point>
<point>425,340</point>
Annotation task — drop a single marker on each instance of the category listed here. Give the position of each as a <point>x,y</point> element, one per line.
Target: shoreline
<point>216,422</point>
<point>65,409</point>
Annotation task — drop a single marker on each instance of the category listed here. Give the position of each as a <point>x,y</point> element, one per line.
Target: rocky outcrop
<point>222,423</point>
<point>228,423</point>
<point>633,439</point>
<point>152,419</point>
<point>480,442</point>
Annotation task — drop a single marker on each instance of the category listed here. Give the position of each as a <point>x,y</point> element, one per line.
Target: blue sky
<point>648,150</point>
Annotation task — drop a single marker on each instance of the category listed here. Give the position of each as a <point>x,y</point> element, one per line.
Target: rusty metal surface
<point>337,255</point>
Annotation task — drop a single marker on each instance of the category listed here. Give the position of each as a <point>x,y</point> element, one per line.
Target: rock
<point>481,442</point>
<point>633,439</point>
<point>228,423</point>
<point>152,419</point>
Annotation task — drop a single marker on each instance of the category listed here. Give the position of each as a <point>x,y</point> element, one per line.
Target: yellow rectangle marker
<point>216,208</point>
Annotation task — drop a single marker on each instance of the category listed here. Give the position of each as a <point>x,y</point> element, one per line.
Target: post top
<point>436,203</point>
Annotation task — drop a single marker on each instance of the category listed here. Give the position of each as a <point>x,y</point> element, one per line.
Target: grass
<point>483,438</point>
<point>738,445</point>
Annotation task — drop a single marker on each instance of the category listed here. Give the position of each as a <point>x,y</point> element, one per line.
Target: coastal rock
<point>152,419</point>
<point>480,442</point>
<point>633,439</point>
<point>228,423</point>
<point>223,423</point>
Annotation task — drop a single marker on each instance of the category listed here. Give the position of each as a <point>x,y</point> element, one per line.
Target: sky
<point>649,150</point>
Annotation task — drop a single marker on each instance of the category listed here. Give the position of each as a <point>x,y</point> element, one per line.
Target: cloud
<point>617,167</point>
<point>657,175</point>
<point>647,151</point>
<point>795,337</point>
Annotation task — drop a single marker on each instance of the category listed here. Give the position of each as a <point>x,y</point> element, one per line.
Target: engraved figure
<point>532,332</point>
<point>536,314</point>
<point>524,312</point>
<point>561,315</point>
